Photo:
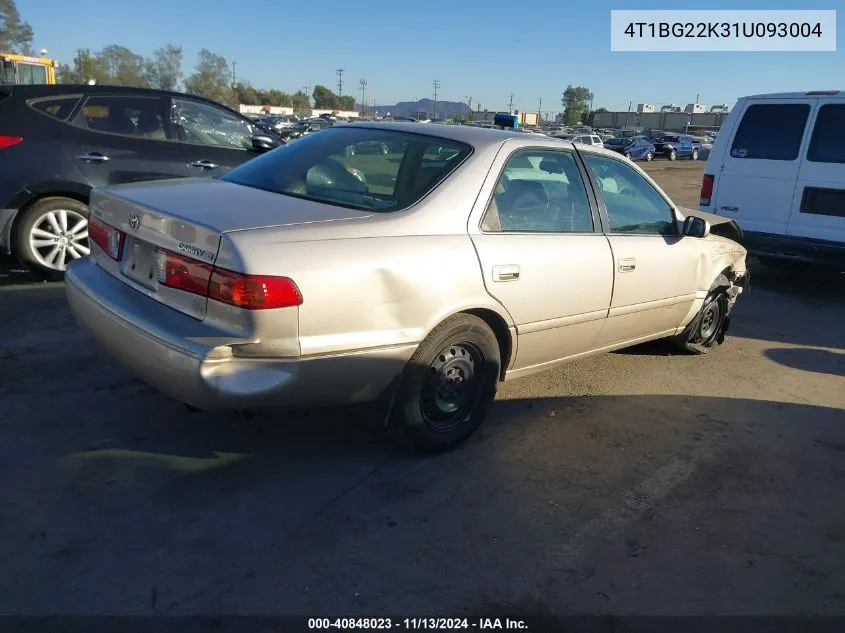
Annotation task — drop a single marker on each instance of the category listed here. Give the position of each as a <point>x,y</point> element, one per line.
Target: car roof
<point>28,91</point>
<point>477,137</point>
<point>795,95</point>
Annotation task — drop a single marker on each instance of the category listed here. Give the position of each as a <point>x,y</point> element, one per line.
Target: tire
<point>648,157</point>
<point>707,329</point>
<point>628,156</point>
<point>673,155</point>
<point>694,155</point>
<point>429,413</point>
<point>50,234</point>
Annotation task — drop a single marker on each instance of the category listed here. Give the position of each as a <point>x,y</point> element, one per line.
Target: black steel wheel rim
<point>711,321</point>
<point>451,386</point>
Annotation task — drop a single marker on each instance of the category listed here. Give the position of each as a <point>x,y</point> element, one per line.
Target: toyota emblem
<point>133,221</point>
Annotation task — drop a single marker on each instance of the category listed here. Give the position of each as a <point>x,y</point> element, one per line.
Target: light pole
<point>436,87</point>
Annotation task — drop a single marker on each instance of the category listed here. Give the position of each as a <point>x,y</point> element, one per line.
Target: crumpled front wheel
<point>707,330</point>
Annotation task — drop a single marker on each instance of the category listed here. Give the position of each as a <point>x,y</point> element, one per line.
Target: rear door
<point>213,139</point>
<point>120,138</point>
<point>756,184</point>
<point>818,207</point>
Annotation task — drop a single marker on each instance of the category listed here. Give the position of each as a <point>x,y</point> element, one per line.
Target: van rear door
<point>756,183</point>
<point>818,207</point>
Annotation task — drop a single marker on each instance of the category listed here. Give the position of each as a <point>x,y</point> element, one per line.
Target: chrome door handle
<point>627,265</point>
<point>203,164</point>
<point>507,272</point>
<point>93,157</point>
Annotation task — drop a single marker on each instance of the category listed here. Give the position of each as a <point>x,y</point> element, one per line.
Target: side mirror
<point>696,227</point>
<point>264,143</point>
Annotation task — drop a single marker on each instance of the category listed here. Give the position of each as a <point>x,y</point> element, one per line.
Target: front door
<point>542,253</point>
<point>213,139</point>
<point>115,139</point>
<point>818,207</point>
<point>756,183</point>
<point>656,269</point>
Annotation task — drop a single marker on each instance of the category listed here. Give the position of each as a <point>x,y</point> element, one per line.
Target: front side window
<point>141,117</point>
<point>539,191</point>
<point>358,167</point>
<point>771,131</point>
<point>633,205</point>
<point>201,123</point>
<point>828,142</point>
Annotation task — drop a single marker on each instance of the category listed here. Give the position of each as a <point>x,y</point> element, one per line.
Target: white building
<point>695,108</point>
<point>645,107</point>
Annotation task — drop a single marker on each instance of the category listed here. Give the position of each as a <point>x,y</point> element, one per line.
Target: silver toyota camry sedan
<point>416,279</point>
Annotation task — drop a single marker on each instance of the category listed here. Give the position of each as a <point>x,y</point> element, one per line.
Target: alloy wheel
<point>58,237</point>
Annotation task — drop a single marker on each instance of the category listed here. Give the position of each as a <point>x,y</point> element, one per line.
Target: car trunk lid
<point>168,233</point>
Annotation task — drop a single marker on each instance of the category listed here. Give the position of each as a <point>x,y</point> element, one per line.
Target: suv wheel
<point>694,154</point>
<point>673,155</point>
<point>648,157</point>
<point>51,234</point>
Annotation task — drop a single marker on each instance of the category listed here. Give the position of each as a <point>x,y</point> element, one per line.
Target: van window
<point>771,131</point>
<point>828,142</point>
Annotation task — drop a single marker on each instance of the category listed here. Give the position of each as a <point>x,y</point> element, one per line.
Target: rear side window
<point>771,131</point>
<point>140,117</point>
<point>56,107</point>
<point>827,144</point>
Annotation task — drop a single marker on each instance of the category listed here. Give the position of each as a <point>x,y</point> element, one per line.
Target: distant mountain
<point>415,109</point>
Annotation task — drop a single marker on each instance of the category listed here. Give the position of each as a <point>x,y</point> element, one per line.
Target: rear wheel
<point>694,155</point>
<point>707,330</point>
<point>52,233</point>
<point>673,155</point>
<point>648,157</point>
<point>447,386</point>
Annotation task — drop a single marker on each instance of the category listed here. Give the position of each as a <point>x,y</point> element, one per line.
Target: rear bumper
<point>192,362</point>
<point>801,250</point>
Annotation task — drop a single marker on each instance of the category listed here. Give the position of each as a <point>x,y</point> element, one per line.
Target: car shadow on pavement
<point>581,495</point>
<point>13,274</point>
<point>820,361</point>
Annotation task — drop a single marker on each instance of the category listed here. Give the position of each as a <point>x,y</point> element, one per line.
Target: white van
<point>777,166</point>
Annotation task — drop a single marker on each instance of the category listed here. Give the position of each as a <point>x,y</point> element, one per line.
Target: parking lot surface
<point>639,482</point>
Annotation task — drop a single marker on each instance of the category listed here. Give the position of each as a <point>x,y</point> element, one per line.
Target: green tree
<point>300,100</point>
<point>346,102</point>
<point>211,78</point>
<point>87,66</point>
<point>164,70</point>
<point>123,67</point>
<point>246,94</point>
<point>15,34</point>
<point>325,98</point>
<point>576,104</point>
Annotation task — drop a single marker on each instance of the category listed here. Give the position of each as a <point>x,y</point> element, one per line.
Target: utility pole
<point>540,111</point>
<point>234,63</point>
<point>628,116</point>
<point>363,83</point>
<point>339,82</point>
<point>469,107</point>
<point>589,113</point>
<point>510,105</point>
<point>436,88</point>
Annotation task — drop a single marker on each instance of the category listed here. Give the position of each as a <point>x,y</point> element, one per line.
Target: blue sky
<point>486,49</point>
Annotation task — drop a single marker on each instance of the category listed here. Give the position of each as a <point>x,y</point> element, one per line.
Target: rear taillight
<point>8,141</point>
<point>183,273</point>
<point>251,292</point>
<point>108,238</point>
<point>706,190</point>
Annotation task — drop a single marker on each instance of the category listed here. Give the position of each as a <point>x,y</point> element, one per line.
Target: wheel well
<point>502,332</point>
<point>13,233</point>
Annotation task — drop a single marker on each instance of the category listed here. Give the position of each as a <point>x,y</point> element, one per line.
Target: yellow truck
<point>20,69</point>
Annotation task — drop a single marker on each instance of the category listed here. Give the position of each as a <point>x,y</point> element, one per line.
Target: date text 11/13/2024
<point>418,624</point>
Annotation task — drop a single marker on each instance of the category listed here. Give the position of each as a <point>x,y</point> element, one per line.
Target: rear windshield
<point>354,166</point>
